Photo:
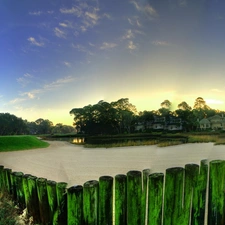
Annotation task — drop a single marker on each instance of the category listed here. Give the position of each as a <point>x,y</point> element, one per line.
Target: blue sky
<point>59,54</point>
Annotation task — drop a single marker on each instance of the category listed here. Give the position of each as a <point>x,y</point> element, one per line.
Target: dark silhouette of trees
<point>11,125</point>
<point>121,116</point>
<point>105,118</point>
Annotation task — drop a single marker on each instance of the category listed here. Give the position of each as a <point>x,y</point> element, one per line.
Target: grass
<point>8,211</point>
<point>202,138</point>
<point>169,143</point>
<point>122,144</point>
<point>170,140</point>
<point>20,142</point>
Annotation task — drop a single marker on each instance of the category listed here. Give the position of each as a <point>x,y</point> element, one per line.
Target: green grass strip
<point>23,142</point>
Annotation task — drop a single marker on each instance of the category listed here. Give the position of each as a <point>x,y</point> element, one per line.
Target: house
<point>214,122</point>
<point>162,123</point>
<point>159,123</point>
<point>174,123</point>
<point>204,124</point>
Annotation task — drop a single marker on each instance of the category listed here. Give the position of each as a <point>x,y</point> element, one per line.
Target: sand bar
<point>74,164</point>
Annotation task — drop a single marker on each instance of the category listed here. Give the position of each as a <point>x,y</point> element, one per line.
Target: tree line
<point>122,117</point>
<point>12,125</point>
<point>116,117</point>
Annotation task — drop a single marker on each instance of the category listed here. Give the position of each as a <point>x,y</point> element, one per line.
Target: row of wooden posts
<point>137,198</point>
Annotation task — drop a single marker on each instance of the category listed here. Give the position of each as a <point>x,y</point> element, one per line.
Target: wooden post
<point>13,186</point>
<point>1,177</point>
<point>60,216</point>
<point>18,181</point>
<point>105,200</point>
<point>173,196</point>
<point>216,206</point>
<point>8,180</point>
<point>52,198</point>
<point>134,198</point>
<point>145,174</point>
<point>33,202</point>
<point>199,196</point>
<point>190,183</point>
<point>26,191</point>
<point>121,199</point>
<point>90,202</point>
<point>75,205</point>
<point>43,200</point>
<point>155,198</point>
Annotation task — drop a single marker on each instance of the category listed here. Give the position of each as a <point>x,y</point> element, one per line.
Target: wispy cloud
<point>151,11</point>
<point>107,45</point>
<point>106,15</point>
<point>35,13</point>
<point>64,24</point>
<point>160,43</point>
<point>33,41</point>
<point>17,100</point>
<point>25,79</point>
<point>134,21</point>
<point>37,93</point>
<point>82,48</point>
<point>58,83</point>
<point>86,13</point>
<point>74,10</point>
<point>131,45</point>
<point>216,90</point>
<point>128,35</point>
<point>147,9</point>
<point>59,33</point>
<point>38,13</point>
<point>68,64</point>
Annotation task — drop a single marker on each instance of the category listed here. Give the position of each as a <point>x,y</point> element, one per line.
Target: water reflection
<point>78,140</point>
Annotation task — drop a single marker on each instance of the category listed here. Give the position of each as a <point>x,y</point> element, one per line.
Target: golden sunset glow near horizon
<point>56,56</point>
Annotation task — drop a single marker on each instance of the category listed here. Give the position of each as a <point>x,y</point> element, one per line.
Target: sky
<point>57,55</point>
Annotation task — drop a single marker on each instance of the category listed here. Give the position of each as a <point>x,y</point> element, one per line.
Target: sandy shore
<point>62,161</point>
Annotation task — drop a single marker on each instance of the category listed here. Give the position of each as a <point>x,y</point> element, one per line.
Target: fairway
<point>20,142</point>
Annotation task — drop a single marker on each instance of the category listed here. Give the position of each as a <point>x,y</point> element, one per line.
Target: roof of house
<point>204,121</point>
<point>216,117</point>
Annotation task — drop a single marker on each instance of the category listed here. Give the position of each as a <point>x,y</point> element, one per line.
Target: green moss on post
<point>190,182</point>
<point>121,199</point>
<point>52,198</point>
<point>13,186</point>
<point>216,206</point>
<point>60,216</point>
<point>106,200</point>
<point>43,200</point>
<point>20,197</point>
<point>173,196</point>
<point>90,202</point>
<point>8,180</point>
<point>155,198</point>
<point>26,191</point>
<point>75,205</point>
<point>145,174</point>
<point>2,178</point>
<point>199,196</point>
<point>33,202</point>
<point>134,198</point>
